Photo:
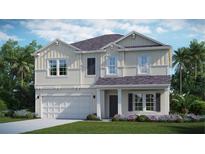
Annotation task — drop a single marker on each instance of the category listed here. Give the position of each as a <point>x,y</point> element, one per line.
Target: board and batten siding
<point>137,41</point>
<point>55,52</point>
<point>61,51</point>
<point>77,65</point>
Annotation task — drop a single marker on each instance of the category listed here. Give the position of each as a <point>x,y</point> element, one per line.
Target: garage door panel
<point>66,106</point>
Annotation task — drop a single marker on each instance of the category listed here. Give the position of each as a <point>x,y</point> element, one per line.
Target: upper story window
<point>143,63</point>
<point>112,65</point>
<point>52,67</point>
<point>57,67</point>
<point>62,67</point>
<point>90,66</point>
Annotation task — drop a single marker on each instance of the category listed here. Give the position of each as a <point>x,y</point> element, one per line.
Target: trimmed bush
<point>9,113</point>
<point>2,114</point>
<point>92,117</point>
<point>3,105</point>
<point>193,117</point>
<point>23,114</point>
<point>30,115</point>
<point>131,117</point>
<point>119,117</point>
<point>152,117</point>
<point>198,107</point>
<point>142,118</point>
<point>160,118</point>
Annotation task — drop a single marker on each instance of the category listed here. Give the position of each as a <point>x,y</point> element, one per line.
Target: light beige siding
<point>137,41</point>
<point>127,65</point>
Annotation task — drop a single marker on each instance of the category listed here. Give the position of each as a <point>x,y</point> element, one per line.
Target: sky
<point>177,33</point>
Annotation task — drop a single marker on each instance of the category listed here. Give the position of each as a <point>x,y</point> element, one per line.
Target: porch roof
<point>134,80</point>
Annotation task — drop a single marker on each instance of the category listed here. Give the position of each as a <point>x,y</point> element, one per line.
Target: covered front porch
<point>132,100</point>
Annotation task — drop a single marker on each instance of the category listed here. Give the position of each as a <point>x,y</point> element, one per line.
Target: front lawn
<point>8,119</point>
<point>89,127</point>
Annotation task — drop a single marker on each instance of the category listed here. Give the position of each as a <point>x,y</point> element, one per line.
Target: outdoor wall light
<point>93,96</point>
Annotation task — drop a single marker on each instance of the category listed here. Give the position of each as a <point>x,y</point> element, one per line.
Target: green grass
<point>89,127</point>
<point>8,119</point>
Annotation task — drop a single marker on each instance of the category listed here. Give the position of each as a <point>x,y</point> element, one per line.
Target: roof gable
<point>56,42</point>
<point>134,39</point>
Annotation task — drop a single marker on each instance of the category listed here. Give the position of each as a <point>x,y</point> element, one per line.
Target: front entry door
<point>113,105</point>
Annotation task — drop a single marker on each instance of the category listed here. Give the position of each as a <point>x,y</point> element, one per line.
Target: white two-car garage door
<point>73,107</point>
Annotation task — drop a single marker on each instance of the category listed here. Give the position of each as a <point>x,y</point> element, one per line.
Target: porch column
<point>119,96</point>
<point>98,104</point>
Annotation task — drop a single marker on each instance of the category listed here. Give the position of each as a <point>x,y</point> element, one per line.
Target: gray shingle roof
<point>134,80</point>
<point>96,42</point>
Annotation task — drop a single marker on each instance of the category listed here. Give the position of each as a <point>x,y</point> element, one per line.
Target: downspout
<point>80,74</point>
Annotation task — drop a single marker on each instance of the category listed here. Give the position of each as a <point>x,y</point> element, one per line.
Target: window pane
<point>138,102</point>
<point>62,67</point>
<point>143,63</point>
<point>52,67</point>
<point>91,66</point>
<point>112,65</point>
<point>150,102</point>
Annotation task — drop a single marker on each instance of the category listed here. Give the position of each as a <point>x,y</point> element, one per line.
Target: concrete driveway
<point>30,125</point>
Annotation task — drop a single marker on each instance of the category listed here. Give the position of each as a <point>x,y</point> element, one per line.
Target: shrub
<point>182,103</point>
<point>9,113</point>
<point>131,117</point>
<point>23,114</point>
<point>2,114</point>
<point>142,118</point>
<point>92,117</point>
<point>119,117</point>
<point>30,115</point>
<point>3,105</point>
<point>152,117</point>
<point>198,107</point>
<point>193,117</point>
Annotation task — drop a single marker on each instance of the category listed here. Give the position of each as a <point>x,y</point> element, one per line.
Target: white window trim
<point>87,67</point>
<point>107,68</point>
<point>135,102</point>
<point>139,67</point>
<point>58,67</point>
<point>144,101</point>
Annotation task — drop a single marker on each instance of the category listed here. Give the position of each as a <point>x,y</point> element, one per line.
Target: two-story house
<point>107,75</point>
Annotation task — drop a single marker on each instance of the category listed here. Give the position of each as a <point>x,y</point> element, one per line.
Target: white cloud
<point>7,27</point>
<point>5,37</point>
<point>174,24</point>
<point>70,31</point>
<point>160,30</point>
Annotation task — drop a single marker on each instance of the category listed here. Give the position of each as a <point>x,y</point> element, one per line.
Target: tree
<point>197,56</point>
<point>179,61</point>
<point>17,74</point>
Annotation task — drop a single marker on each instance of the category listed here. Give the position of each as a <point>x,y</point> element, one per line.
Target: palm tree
<point>22,67</point>
<point>197,56</point>
<point>180,59</point>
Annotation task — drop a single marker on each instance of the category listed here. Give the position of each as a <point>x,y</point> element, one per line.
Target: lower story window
<point>138,102</point>
<point>144,101</point>
<point>149,102</point>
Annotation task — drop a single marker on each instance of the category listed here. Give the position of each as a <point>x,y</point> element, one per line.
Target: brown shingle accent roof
<point>134,80</point>
<point>96,42</point>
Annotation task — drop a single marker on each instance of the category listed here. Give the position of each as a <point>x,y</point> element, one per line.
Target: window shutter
<point>158,102</point>
<point>130,102</point>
